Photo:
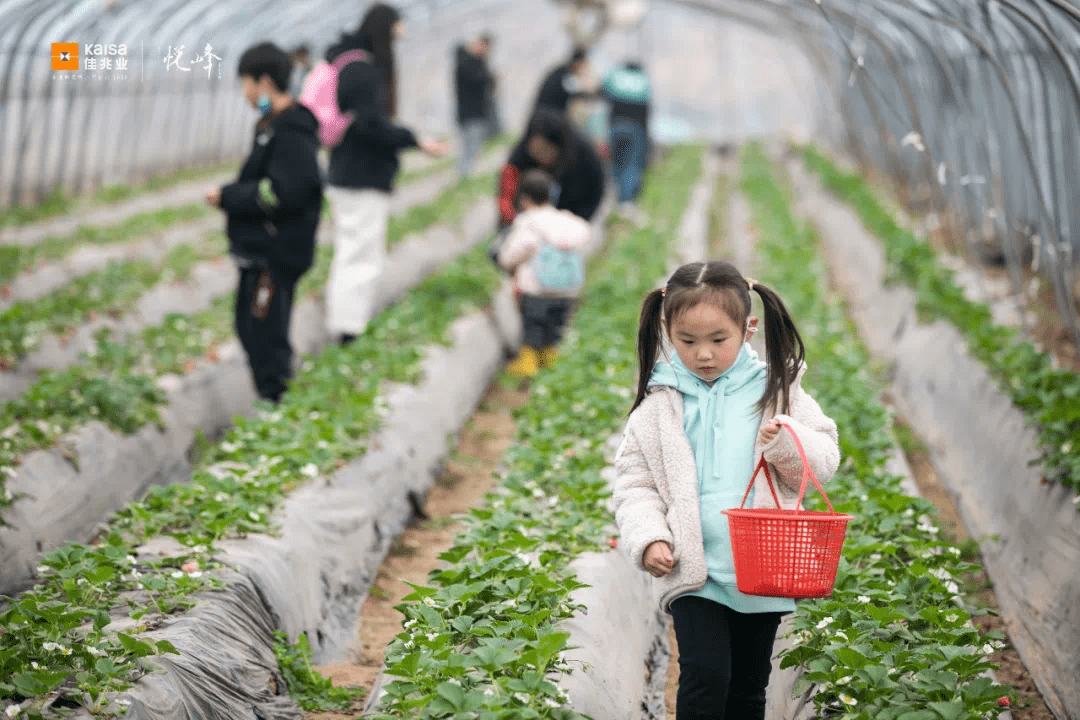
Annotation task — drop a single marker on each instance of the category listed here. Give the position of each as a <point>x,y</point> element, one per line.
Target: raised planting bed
<point>65,216</point>
<point>895,639</point>
<point>353,463</point>
<point>61,493</point>
<point>488,636</point>
<point>27,272</point>
<point>1048,395</point>
<point>982,445</point>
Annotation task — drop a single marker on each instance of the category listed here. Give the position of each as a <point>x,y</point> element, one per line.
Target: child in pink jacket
<point>545,250</point>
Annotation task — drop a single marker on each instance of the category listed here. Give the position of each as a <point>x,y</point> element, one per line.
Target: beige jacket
<point>559,228</point>
<point>656,486</point>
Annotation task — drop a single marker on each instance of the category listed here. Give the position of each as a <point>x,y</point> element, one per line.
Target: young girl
<point>699,425</point>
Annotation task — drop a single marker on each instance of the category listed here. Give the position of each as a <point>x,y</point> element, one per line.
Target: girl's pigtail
<point>649,338</point>
<point>784,351</point>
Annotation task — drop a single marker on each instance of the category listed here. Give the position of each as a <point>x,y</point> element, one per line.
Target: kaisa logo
<point>65,56</point>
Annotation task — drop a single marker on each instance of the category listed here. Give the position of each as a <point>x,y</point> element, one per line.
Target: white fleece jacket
<point>561,229</point>
<point>656,486</point>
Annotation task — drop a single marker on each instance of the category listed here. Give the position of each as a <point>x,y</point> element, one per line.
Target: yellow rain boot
<point>548,356</point>
<point>526,364</point>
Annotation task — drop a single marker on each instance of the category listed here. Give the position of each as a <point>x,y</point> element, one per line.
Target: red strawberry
<point>1004,702</point>
<point>614,542</point>
<point>5,291</point>
<point>212,355</point>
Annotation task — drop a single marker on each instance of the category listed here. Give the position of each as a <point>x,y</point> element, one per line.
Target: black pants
<point>725,658</point>
<point>544,319</point>
<point>266,339</point>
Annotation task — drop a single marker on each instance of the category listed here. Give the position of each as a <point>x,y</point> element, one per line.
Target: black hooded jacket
<point>273,207</point>
<point>368,154</point>
<point>472,79</point>
<point>555,90</point>
<point>580,181</point>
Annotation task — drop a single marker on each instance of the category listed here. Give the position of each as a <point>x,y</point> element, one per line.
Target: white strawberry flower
<point>309,470</point>
<point>847,699</point>
<point>825,623</point>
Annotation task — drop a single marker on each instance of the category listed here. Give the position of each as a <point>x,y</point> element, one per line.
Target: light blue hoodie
<point>721,422</point>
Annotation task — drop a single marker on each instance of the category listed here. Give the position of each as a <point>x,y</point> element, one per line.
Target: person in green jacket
<point>626,87</point>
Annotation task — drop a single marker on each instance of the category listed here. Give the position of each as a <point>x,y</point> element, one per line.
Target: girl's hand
<point>213,197</point>
<point>769,431</point>
<point>658,559</point>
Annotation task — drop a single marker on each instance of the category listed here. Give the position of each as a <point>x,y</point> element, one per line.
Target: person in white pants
<point>360,219</point>
<point>362,170</point>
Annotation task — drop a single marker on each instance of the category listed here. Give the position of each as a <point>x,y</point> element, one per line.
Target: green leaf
<point>919,715</point>
<point>164,647</point>
<point>453,693</point>
<point>953,710</point>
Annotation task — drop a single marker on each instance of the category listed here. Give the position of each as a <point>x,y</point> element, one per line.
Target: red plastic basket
<point>786,553</point>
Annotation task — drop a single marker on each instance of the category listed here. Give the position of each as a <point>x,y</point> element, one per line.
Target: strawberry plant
<point>894,640</point>
<point>1049,396</point>
<point>482,640</point>
<point>306,686</point>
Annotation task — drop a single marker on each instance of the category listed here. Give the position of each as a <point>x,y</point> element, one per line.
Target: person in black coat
<point>472,84</point>
<point>272,214</point>
<point>362,170</point>
<point>552,144</point>
<point>562,83</point>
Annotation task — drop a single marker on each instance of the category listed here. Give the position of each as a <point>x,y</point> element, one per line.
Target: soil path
<point>470,473</point>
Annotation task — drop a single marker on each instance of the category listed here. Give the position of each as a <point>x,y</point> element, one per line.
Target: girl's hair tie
<point>751,282</point>
<point>663,291</point>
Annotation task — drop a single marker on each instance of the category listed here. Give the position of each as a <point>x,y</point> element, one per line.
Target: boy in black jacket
<point>273,211</point>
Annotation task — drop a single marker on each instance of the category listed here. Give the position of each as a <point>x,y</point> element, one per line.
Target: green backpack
<point>558,270</point>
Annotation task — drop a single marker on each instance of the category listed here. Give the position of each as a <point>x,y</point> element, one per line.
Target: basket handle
<point>807,473</point>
